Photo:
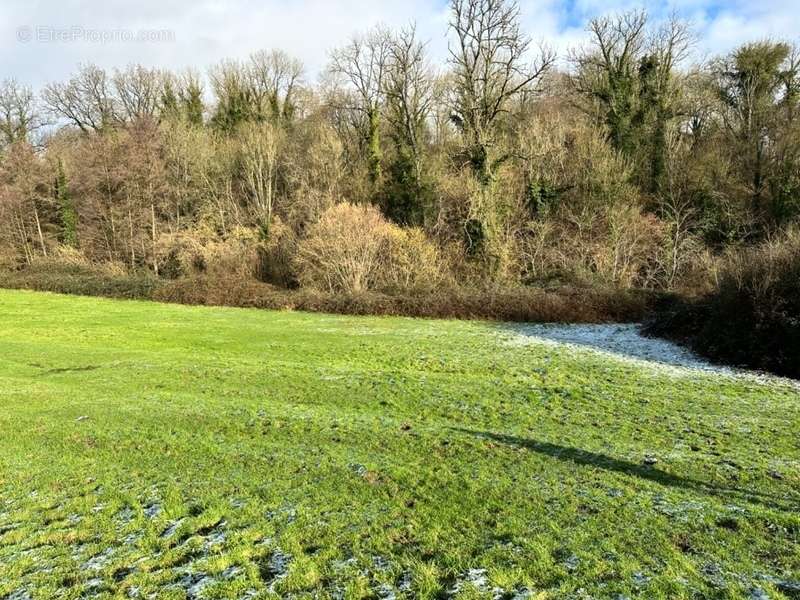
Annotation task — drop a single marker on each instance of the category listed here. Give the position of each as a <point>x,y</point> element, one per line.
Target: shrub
<point>188,254</point>
<point>235,255</point>
<point>413,263</point>
<point>354,249</point>
<point>752,317</point>
<point>579,305</point>
<point>276,256</point>
<point>344,250</point>
<point>67,256</point>
<point>81,280</point>
<point>179,255</point>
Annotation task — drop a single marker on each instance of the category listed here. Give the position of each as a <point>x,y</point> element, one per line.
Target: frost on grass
<point>622,340</point>
<point>787,586</point>
<point>98,562</point>
<point>358,469</point>
<point>216,536</point>
<point>231,572</point>
<point>94,584</point>
<point>173,527</point>
<point>380,564</point>
<point>194,584</point>
<point>125,516</point>
<point>276,569</point>
<point>626,342</point>
<point>572,563</point>
<point>684,511</point>
<point>757,594</point>
<point>385,592</point>
<point>477,580</point>
<point>640,579</point>
<point>474,578</point>
<point>286,514</point>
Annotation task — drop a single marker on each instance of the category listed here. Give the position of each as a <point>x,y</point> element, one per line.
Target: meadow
<point>163,451</point>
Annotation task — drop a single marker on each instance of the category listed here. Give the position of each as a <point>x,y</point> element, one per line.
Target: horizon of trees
<point>631,167</point>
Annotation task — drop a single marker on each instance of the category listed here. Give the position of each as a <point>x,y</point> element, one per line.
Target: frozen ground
<point>627,342</point>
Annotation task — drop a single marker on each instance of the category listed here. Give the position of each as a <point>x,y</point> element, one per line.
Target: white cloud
<point>206,31</point>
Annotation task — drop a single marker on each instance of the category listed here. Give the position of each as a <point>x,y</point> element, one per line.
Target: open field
<point>164,451</point>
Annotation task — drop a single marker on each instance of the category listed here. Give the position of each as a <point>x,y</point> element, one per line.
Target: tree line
<point>623,164</point>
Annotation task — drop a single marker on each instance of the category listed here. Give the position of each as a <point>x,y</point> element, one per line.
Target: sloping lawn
<point>160,451</point>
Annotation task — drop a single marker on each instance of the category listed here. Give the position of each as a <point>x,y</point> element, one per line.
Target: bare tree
<point>138,90</point>
<point>670,45</point>
<point>606,72</point>
<point>259,163</point>
<point>145,187</point>
<point>86,100</point>
<point>409,90</point>
<point>275,76</point>
<point>409,94</point>
<point>19,116</point>
<point>24,192</point>
<point>235,96</point>
<point>489,58</point>
<point>626,76</point>
<point>363,65</point>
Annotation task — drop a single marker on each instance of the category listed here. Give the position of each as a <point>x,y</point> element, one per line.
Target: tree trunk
<point>39,229</point>
<point>374,146</point>
<point>133,248</point>
<point>153,231</point>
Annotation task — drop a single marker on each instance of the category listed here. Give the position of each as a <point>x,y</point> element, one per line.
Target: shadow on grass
<point>608,463</point>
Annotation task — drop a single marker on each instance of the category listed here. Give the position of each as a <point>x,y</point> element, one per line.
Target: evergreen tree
<point>69,217</point>
<point>192,103</point>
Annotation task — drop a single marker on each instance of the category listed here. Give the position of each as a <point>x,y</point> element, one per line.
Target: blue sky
<point>201,32</point>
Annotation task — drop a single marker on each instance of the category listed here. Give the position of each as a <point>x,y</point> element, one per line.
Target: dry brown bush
<point>618,246</point>
<point>567,304</point>
<point>343,251</point>
<point>353,249</point>
<point>412,264</point>
<point>623,255</point>
<point>186,254</point>
<point>235,255</point>
<point>64,259</point>
<point>180,255</point>
<point>79,279</point>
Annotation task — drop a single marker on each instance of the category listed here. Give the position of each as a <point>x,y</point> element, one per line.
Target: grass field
<point>162,451</point>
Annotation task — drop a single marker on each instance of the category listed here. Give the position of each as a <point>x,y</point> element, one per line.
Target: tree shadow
<point>642,471</point>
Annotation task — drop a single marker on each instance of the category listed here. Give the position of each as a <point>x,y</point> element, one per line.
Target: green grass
<point>300,455</point>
